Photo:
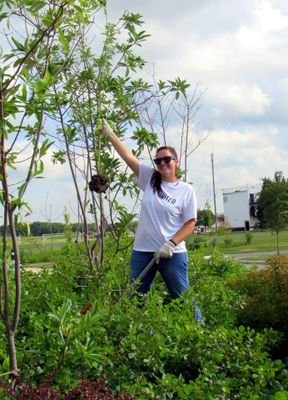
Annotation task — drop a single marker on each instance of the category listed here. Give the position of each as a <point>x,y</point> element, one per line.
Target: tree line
<point>39,228</point>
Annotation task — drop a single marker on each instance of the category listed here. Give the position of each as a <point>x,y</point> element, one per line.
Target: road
<point>247,258</point>
<point>259,253</point>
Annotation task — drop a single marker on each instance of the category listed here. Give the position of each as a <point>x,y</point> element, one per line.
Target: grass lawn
<point>260,241</point>
<point>237,242</point>
<point>36,250</point>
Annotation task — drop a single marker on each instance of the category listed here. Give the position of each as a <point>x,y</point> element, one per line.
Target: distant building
<point>239,204</point>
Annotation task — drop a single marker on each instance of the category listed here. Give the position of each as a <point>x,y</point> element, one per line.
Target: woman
<point>167,217</point>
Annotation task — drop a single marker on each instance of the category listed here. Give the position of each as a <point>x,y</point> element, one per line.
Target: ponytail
<point>155,182</point>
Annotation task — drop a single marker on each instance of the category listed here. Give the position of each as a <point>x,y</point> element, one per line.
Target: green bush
<point>198,242</point>
<point>266,294</point>
<point>152,348</point>
<point>208,276</point>
<point>213,242</point>
<point>224,230</point>
<point>228,242</point>
<point>248,238</point>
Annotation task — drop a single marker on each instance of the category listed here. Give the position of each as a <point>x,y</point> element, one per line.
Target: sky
<point>236,52</point>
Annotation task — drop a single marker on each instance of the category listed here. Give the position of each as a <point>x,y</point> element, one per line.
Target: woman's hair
<point>156,176</point>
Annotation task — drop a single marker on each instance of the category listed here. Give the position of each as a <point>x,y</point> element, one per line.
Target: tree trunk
<point>277,243</point>
<point>14,373</point>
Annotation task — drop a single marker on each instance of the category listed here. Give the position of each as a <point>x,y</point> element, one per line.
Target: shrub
<point>153,347</point>
<point>267,295</point>
<point>184,361</point>
<point>213,242</point>
<point>26,391</point>
<point>228,242</point>
<point>96,389</point>
<point>277,262</point>
<point>266,304</point>
<point>224,229</point>
<point>208,276</point>
<point>198,242</point>
<point>93,390</point>
<point>248,237</point>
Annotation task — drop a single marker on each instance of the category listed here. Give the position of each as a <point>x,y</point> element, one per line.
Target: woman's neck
<point>172,179</point>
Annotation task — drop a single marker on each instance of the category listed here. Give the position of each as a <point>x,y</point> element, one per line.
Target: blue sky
<point>237,52</point>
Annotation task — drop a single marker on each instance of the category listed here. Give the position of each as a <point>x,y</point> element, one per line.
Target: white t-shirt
<point>161,216</point>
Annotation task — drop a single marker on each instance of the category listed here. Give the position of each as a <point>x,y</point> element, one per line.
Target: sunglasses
<point>166,160</point>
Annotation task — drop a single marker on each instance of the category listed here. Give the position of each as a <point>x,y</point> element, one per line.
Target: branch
<point>46,32</point>
<point>76,187</point>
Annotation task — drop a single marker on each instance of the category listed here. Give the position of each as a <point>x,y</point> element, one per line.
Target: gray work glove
<point>165,251</point>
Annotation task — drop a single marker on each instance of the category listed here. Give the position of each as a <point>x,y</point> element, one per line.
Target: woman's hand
<point>106,130</point>
<point>103,126</point>
<point>165,251</point>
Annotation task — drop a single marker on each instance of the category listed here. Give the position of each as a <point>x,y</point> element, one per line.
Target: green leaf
<point>24,92</point>
<point>3,16</point>
<point>18,45</point>
<point>36,6</point>
<point>25,74</point>
<point>48,18</point>
<point>17,202</point>
<point>59,156</point>
<point>38,168</point>
<point>19,61</point>
<point>71,134</point>
<point>2,197</point>
<point>280,396</point>
<point>4,124</point>
<point>44,147</point>
<point>47,78</point>
<point>40,87</point>
<point>63,41</point>
<point>21,190</point>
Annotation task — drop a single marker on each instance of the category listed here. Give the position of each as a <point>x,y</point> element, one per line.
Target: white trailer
<point>239,206</point>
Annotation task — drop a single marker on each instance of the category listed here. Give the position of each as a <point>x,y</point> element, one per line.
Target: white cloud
<point>238,100</point>
<point>248,51</point>
<point>269,18</point>
<point>240,159</point>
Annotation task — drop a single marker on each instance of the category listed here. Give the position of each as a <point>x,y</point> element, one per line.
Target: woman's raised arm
<point>122,149</point>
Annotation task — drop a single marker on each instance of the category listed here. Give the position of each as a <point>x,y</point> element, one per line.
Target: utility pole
<point>214,194</point>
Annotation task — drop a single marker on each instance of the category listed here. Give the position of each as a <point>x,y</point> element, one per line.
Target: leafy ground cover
<point>80,327</point>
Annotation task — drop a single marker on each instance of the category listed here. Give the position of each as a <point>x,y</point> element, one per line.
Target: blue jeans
<point>174,272</point>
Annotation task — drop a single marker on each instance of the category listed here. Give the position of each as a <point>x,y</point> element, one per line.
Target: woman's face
<point>167,169</point>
